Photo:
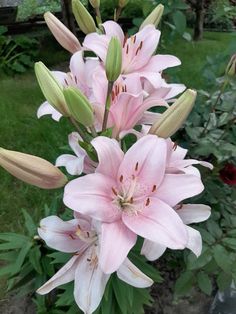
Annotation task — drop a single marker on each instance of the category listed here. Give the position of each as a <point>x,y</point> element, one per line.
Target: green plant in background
<point>16,53</point>
<point>29,8</point>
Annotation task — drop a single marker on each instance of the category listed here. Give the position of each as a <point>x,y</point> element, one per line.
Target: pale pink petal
<point>116,242</point>
<point>46,109</point>
<point>98,44</point>
<point>149,36</point>
<point>63,276</point>
<point>92,195</point>
<point>74,165</point>
<point>99,85</point>
<point>193,213</point>
<point>176,152</point>
<point>110,156</point>
<point>189,162</point>
<point>159,63</point>
<point>177,187</point>
<point>149,118</point>
<point>158,223</point>
<point>77,66</point>
<point>90,282</point>
<point>175,89</point>
<point>129,273</point>
<point>73,140</point>
<point>194,241</point>
<point>146,159</point>
<point>60,76</point>
<point>113,29</point>
<point>60,235</point>
<point>153,77</point>
<point>152,250</point>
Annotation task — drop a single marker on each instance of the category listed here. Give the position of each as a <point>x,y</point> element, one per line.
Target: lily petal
<point>152,250</point>
<point>194,241</point>
<point>129,273</point>
<point>63,276</point>
<point>194,213</point>
<point>177,187</point>
<point>158,223</point>
<point>110,156</point>
<point>46,109</point>
<point>90,282</point>
<point>112,256</point>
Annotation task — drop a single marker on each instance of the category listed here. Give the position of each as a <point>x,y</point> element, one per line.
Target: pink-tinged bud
<point>32,170</point>
<point>174,117</point>
<point>231,67</point>
<point>62,34</point>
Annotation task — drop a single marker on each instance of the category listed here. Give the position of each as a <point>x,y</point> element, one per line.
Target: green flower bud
<point>32,170</point>
<point>174,117</point>
<point>154,17</point>
<point>114,60</point>
<point>95,3</point>
<point>79,106</point>
<point>83,17</point>
<point>51,88</point>
<point>231,67</point>
<point>122,3</point>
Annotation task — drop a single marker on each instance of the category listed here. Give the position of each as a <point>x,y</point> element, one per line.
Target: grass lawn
<point>21,130</point>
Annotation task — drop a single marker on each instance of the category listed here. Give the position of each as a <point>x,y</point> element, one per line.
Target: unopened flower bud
<point>122,3</point>
<point>62,34</point>
<point>231,67</point>
<point>51,88</point>
<point>83,17</point>
<point>79,106</point>
<point>113,60</point>
<point>154,17</point>
<point>174,117</point>
<point>32,170</point>
<point>95,3</point>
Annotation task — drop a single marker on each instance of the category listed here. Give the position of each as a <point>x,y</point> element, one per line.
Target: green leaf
<point>34,259</point>
<point>21,258</point>
<point>223,281</point>
<point>29,223</point>
<point>121,291</point>
<point>214,229</point>
<point>179,20</point>
<point>204,283</point>
<point>230,242</point>
<point>59,257</point>
<point>196,263</point>
<point>222,258</point>
<point>184,283</point>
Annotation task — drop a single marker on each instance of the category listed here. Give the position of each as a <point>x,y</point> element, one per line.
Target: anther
<point>127,49</point>
<point>175,146</point>
<point>88,259</point>
<point>147,202</point>
<point>114,191</point>
<point>136,166</point>
<point>76,81</point>
<point>154,188</point>
<point>113,95</point>
<point>66,82</point>
<point>125,40</point>
<point>121,178</point>
<point>131,200</point>
<point>134,39</point>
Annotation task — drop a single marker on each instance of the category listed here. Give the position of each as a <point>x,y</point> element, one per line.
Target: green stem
<point>223,86</point>
<point>93,131</point>
<point>84,136</point>
<point>107,107</point>
<point>98,16</point>
<point>117,14</point>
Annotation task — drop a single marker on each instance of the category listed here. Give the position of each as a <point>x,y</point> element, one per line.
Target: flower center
<point>132,196</point>
<point>86,236</point>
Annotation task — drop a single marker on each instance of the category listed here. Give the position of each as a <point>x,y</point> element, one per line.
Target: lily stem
<point>107,107</point>
<point>213,108</point>
<point>84,136</point>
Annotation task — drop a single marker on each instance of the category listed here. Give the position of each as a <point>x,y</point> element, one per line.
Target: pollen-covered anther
<point>114,191</point>
<point>147,202</point>
<point>66,82</point>
<point>121,178</point>
<point>136,166</point>
<point>127,49</point>
<point>154,188</point>
<point>174,146</point>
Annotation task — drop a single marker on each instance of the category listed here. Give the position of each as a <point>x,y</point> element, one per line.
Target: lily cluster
<point>120,193</point>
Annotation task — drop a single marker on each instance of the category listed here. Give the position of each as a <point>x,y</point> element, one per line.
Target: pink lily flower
<point>81,237</point>
<point>80,76</point>
<point>131,194</point>
<point>75,165</point>
<point>189,213</point>
<point>137,52</point>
